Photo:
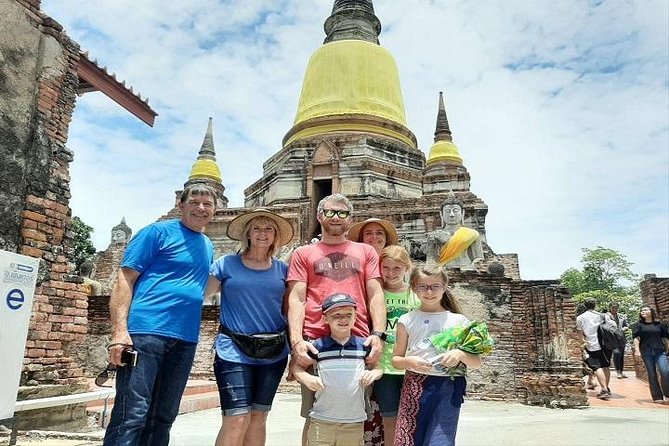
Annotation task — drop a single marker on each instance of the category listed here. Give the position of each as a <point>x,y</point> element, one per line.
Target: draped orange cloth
<point>458,243</point>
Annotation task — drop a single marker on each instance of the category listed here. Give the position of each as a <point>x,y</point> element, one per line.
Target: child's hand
<point>452,358</point>
<point>314,383</point>
<point>418,364</point>
<point>369,376</point>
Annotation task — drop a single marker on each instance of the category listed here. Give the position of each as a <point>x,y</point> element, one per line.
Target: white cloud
<point>560,110</point>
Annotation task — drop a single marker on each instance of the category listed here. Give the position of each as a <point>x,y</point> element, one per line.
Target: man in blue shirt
<point>155,310</point>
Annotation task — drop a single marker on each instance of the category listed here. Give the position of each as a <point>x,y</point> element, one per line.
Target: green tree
<point>606,276</point>
<point>83,246</point>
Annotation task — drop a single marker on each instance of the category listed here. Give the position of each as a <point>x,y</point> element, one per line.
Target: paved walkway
<point>627,392</point>
<point>622,420</point>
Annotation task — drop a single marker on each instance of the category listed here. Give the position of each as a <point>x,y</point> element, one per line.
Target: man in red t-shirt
<point>334,265</point>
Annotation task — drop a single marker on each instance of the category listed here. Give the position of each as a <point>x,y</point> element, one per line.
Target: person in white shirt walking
<point>599,358</point>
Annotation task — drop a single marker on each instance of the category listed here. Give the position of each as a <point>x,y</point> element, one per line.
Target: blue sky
<point>560,109</point>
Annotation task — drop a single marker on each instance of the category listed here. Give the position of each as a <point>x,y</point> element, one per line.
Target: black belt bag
<point>259,345</point>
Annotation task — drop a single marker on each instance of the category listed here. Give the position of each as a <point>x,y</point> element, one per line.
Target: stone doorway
<point>321,189</point>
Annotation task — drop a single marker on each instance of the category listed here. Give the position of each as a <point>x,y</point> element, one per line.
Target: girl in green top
<point>395,263</point>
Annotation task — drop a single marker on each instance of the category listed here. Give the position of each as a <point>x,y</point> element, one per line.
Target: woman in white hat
<point>251,347</point>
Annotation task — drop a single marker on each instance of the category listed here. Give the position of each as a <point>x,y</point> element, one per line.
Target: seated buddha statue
<point>453,245</point>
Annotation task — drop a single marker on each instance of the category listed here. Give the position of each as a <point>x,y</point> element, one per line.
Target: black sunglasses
<point>329,213</point>
<point>104,375</point>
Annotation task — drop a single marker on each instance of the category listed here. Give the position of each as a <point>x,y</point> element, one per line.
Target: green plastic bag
<point>472,338</point>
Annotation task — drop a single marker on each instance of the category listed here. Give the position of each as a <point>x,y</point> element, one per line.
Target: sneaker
<point>608,391</point>
<point>621,376</point>
<point>603,395</point>
<point>591,387</point>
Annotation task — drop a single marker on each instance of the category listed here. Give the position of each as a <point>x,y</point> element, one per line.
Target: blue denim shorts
<point>387,393</point>
<point>247,387</point>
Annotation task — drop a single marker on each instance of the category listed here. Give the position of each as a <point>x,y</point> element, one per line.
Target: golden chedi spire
<point>351,83</point>
<point>443,148</point>
<point>205,167</point>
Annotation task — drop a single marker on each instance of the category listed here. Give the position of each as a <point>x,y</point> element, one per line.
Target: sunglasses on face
<point>329,213</point>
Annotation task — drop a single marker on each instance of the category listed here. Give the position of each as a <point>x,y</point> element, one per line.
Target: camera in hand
<point>129,357</point>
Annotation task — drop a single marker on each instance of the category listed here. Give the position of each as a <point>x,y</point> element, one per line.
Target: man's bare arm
<point>297,300</point>
<point>376,305</point>
<point>119,307</point>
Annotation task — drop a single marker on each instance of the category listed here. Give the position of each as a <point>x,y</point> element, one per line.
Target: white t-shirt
<point>421,325</point>
<point>587,322</point>
<point>340,368</point>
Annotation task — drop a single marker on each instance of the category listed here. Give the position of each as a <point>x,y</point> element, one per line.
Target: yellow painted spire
<point>205,167</point>
<point>351,83</point>
<point>443,148</point>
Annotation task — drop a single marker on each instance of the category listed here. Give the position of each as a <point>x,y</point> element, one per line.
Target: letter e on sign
<point>15,299</point>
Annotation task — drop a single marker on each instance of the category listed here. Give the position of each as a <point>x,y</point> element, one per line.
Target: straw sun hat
<point>355,233</point>
<point>236,227</point>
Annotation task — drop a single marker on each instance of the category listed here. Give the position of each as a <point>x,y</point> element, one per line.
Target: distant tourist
<point>598,358</point>
<point>252,285</point>
<point>618,353</point>
<point>434,384</point>
<point>334,265</point>
<point>155,311</point>
<point>339,378</point>
<point>649,344</point>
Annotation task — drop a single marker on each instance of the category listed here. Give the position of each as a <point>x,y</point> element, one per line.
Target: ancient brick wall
<point>536,358</point>
<point>93,355</point>
<point>487,298</point>
<point>107,264</point>
<point>37,178</point>
<point>547,346</point>
<point>655,293</point>
<point>203,366</point>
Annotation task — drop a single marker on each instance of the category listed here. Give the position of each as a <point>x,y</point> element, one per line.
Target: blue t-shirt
<point>251,302</point>
<point>173,262</point>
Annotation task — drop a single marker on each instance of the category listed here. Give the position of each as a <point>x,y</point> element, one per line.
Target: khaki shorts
<point>322,433</point>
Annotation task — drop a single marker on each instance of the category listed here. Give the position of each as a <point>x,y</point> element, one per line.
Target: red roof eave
<point>94,78</point>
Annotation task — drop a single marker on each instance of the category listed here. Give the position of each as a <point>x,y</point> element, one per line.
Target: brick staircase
<point>199,395</point>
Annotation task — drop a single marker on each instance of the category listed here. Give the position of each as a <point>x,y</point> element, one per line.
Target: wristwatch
<point>381,334</point>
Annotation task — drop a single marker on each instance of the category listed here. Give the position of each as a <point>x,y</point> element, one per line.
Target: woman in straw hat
<point>252,283</point>
<point>376,232</point>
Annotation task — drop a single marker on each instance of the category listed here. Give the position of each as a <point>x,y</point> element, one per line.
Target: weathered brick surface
<point>39,186</point>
